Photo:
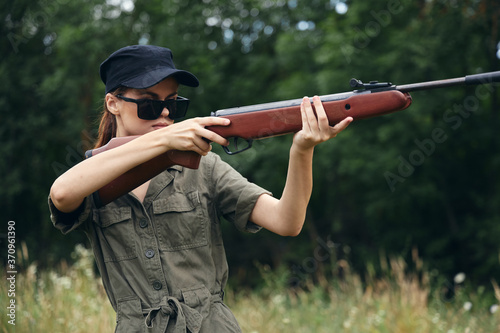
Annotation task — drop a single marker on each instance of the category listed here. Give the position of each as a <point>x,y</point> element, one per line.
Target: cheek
<point>129,123</point>
<point>129,112</point>
<point>130,118</point>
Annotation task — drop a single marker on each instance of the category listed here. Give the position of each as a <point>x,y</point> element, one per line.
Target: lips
<point>160,125</point>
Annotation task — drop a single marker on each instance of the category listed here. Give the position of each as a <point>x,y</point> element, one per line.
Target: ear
<point>112,104</point>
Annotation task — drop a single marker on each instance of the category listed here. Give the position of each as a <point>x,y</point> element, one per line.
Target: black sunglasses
<point>151,109</point>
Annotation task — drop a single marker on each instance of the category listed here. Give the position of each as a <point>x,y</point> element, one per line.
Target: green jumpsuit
<point>162,261</point>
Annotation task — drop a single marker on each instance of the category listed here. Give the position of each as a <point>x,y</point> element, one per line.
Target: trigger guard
<point>235,140</point>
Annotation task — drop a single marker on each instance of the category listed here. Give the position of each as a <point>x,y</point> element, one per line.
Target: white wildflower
<point>459,278</point>
<point>467,306</point>
<point>494,308</point>
<point>89,272</point>
<point>278,299</point>
<point>353,311</point>
<point>65,282</point>
<point>379,318</point>
<point>53,277</point>
<point>31,272</point>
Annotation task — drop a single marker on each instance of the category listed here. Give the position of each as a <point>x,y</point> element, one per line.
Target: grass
<point>72,299</point>
<point>66,299</point>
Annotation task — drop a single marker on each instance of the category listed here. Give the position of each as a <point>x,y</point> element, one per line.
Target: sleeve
<point>235,195</point>
<point>67,222</point>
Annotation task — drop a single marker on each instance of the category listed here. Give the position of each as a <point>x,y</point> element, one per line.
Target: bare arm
<point>286,215</point>
<point>70,189</point>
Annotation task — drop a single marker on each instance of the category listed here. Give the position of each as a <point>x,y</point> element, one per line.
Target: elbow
<point>292,231</point>
<point>61,199</point>
<point>295,232</point>
<point>289,227</point>
<point>58,196</point>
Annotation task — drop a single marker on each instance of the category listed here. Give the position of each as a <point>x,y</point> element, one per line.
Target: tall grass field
<point>72,299</point>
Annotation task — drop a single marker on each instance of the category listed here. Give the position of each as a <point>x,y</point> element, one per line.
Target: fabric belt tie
<point>187,317</point>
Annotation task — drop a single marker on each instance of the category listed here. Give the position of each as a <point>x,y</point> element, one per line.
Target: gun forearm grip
<point>257,124</point>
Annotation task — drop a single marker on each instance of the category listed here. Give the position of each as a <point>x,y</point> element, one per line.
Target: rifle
<point>272,119</point>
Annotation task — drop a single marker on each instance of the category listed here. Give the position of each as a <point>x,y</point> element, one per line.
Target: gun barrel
<point>484,78</point>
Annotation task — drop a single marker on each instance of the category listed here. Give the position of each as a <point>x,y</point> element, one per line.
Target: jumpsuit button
<point>143,223</point>
<point>150,253</point>
<point>157,285</point>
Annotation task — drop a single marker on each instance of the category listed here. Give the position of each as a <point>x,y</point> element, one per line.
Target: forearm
<point>293,203</point>
<point>70,189</point>
<point>286,216</point>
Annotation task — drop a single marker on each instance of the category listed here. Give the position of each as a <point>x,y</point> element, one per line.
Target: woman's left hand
<point>315,127</point>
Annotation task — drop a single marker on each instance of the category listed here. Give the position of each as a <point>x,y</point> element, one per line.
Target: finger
<point>342,125</point>
<point>213,121</point>
<point>200,129</point>
<point>321,116</point>
<point>303,113</point>
<point>213,137</point>
<point>202,146</point>
<point>309,121</point>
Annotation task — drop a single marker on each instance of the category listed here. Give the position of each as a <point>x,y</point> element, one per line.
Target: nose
<point>165,112</point>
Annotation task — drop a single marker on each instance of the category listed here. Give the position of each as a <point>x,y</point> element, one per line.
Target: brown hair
<point>107,125</point>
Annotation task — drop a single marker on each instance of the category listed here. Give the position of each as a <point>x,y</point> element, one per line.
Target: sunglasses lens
<point>149,109</point>
<point>177,107</point>
<point>152,109</point>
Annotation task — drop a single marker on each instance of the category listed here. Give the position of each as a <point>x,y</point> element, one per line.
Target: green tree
<point>423,178</point>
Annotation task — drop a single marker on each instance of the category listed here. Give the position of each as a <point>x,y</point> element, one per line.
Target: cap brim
<point>155,76</point>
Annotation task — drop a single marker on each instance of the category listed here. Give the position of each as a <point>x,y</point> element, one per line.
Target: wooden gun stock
<point>141,173</point>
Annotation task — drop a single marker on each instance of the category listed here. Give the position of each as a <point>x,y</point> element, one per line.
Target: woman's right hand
<point>192,135</point>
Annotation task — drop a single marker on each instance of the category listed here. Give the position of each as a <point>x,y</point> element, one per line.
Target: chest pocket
<point>181,222</point>
<point>115,229</point>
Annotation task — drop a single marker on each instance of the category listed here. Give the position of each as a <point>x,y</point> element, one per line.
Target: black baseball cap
<point>142,66</point>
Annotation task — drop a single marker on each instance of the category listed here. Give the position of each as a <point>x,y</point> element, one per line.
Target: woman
<point>159,248</point>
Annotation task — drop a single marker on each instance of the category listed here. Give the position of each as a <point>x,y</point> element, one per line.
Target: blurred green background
<point>386,186</point>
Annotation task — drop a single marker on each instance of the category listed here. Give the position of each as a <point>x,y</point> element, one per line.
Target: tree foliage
<point>425,178</point>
